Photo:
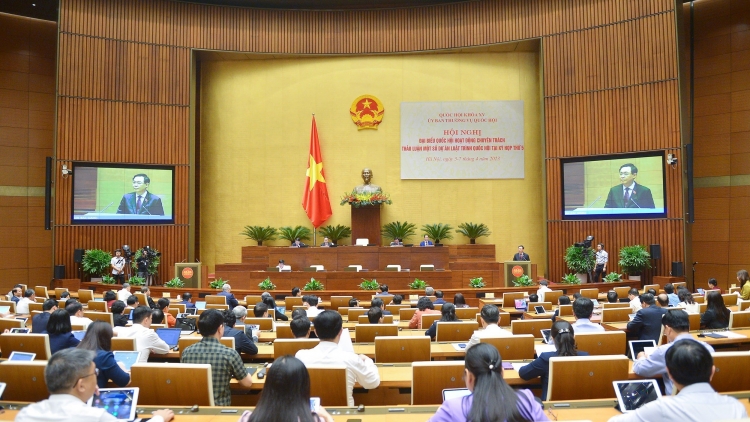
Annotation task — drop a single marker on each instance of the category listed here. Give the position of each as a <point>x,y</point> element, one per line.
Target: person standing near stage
<point>602,257</point>
<point>118,267</point>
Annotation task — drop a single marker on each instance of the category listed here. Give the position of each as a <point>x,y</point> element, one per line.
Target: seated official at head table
<point>426,241</point>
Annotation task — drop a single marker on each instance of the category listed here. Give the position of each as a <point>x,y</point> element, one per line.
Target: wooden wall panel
<point>610,71</point>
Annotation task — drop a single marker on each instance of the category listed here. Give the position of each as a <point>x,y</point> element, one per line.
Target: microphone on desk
<point>633,201</point>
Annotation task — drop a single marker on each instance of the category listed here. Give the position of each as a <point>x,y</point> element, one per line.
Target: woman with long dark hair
<point>286,395</point>
<point>448,314</point>
<point>687,302</point>
<point>491,398</point>
<point>98,338</point>
<point>717,314</point>
<point>459,301</point>
<point>565,344</point>
<point>60,332</point>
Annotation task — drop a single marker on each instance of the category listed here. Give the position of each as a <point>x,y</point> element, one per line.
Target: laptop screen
<point>200,305</point>
<point>118,402</point>
<point>190,311</point>
<point>170,335</point>
<point>520,304</point>
<point>637,346</point>
<point>633,394</point>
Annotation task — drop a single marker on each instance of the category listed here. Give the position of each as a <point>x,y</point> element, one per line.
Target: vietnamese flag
<point>315,199</point>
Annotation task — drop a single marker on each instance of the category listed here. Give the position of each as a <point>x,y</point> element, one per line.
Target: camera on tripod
<point>149,253</point>
<point>586,244</point>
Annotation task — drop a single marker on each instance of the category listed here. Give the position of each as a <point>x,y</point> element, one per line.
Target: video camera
<point>586,244</point>
<point>149,253</point>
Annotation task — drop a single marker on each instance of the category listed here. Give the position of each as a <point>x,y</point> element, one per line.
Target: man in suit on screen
<point>141,201</point>
<point>629,194</point>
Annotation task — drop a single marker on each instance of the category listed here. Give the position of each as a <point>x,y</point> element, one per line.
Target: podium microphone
<point>105,208</point>
<point>595,200</point>
<point>636,204</point>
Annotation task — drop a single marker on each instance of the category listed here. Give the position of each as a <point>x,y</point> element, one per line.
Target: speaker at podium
<point>189,273</point>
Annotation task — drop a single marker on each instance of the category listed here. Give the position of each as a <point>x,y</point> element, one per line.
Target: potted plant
<point>438,231</point>
<point>476,283</point>
<point>175,283</point>
<point>473,231</point>
<point>266,284</point>
<point>290,234</point>
<point>108,279</point>
<point>571,279</point>
<point>335,233</point>
<point>153,262</point>
<point>523,281</point>
<point>96,262</point>
<point>259,234</point>
<point>137,281</point>
<point>633,260</point>
<point>398,230</point>
<point>612,278</point>
<point>418,284</point>
<point>313,284</point>
<point>369,284</point>
<point>581,260</point>
<point>218,283</point>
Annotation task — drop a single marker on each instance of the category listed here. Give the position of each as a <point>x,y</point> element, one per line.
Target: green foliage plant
<point>137,281</point>
<point>218,283</point>
<point>473,231</point>
<point>335,233</point>
<point>634,259</point>
<point>313,284</point>
<point>571,279</point>
<point>369,284</point>
<point>398,230</point>
<point>266,284</point>
<point>579,259</point>
<point>438,231</point>
<point>476,283</point>
<point>175,283</point>
<point>612,278</point>
<point>259,234</point>
<point>292,233</point>
<point>523,281</point>
<point>108,279</point>
<point>417,284</point>
<point>96,262</point>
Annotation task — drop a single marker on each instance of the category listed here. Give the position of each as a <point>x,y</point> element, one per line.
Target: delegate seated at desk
<point>426,242</point>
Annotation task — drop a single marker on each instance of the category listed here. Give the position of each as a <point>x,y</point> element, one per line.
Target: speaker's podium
<point>514,269</point>
<point>189,273</point>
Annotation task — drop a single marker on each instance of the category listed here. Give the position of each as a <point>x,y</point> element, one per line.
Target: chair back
<point>402,349</point>
<point>41,291</point>
<point>604,343</point>
<point>552,296</point>
<point>29,343</point>
<point>739,319</point>
<point>169,384</point>
<point>10,304</point>
<point>387,319</point>
<point>291,302</point>
<point>513,347</point>
<point>387,299</point>
<point>25,380</point>
<point>142,300</point>
<point>329,383</point>
<point>589,293</point>
<point>405,314</point>
<point>366,333</point>
<point>652,286</point>
<point>593,375</point>
<point>622,291</point>
<point>616,314</point>
<point>216,299</point>
<point>695,321</point>
<point>466,313</point>
<point>353,314</point>
<point>59,291</point>
<point>284,331</point>
<point>250,300</point>
<point>394,309</point>
<point>455,330</point>
<point>730,299</point>
<point>607,305</point>
<point>340,301</point>
<point>218,306</point>
<point>86,295</point>
<point>97,305</point>
<point>100,316</point>
<point>743,305</point>
<point>429,379</point>
<point>428,319</point>
<point>509,299</point>
<point>124,344</point>
<point>290,346</point>
<point>187,341</point>
<point>36,307</point>
<point>732,371</point>
<point>699,298</point>
<point>530,326</point>
<point>179,307</point>
<point>504,320</point>
<point>266,324</point>
<point>565,310</point>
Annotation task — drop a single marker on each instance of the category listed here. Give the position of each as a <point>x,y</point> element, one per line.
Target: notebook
<point>633,394</point>
<point>637,346</point>
<point>79,335</point>
<point>119,402</point>
<point>452,393</point>
<point>171,336</point>
<point>21,356</point>
<point>128,358</point>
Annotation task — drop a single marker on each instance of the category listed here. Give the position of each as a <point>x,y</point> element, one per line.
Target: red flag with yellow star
<point>315,200</point>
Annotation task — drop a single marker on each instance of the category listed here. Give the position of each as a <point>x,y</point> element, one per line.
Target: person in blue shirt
<point>674,299</point>
<point>426,242</point>
<point>187,300</point>
<point>226,290</point>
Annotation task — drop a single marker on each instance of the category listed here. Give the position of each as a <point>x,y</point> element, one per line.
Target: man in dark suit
<point>629,194</point>
<point>647,322</point>
<point>426,242</point>
<point>39,322</point>
<point>298,243</point>
<point>326,243</point>
<point>231,300</point>
<point>187,300</point>
<point>521,255</point>
<point>141,201</point>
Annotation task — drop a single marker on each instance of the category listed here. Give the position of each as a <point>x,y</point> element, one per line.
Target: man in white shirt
<point>118,267</point>
<point>124,293</point>
<point>489,316</point>
<point>635,300</point>
<point>359,368</point>
<point>602,258</point>
<point>542,289</point>
<point>75,310</point>
<point>690,367</point>
<point>310,302</point>
<point>583,308</point>
<point>22,307</point>
<point>70,376</point>
<point>146,340</point>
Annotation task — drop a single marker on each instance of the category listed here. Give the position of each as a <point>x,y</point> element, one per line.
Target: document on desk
<point>518,365</point>
<point>541,348</point>
<point>731,334</point>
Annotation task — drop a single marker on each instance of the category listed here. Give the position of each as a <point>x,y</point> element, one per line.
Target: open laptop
<point>118,402</point>
<point>451,393</point>
<point>200,305</point>
<point>521,304</point>
<point>17,356</point>
<point>79,335</point>
<point>638,346</point>
<point>633,394</point>
<point>128,358</point>
<point>171,336</point>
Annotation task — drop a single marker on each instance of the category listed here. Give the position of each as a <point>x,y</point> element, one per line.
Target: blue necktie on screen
<point>626,198</point>
<point>138,204</point>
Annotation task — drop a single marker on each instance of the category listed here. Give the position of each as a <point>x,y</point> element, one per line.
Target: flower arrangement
<point>266,284</point>
<point>523,281</point>
<point>369,284</point>
<point>313,285</point>
<point>175,283</point>
<point>476,283</point>
<point>217,284</point>
<point>363,199</point>
<point>418,284</point>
